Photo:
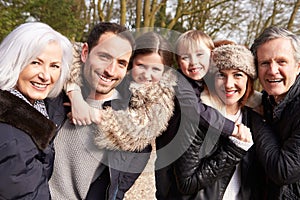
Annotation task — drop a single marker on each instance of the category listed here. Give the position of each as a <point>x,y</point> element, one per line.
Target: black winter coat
<point>280,151</point>
<point>190,116</point>
<point>208,177</point>
<point>26,150</point>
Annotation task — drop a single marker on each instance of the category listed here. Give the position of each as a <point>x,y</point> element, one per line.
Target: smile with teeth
<point>104,78</point>
<point>230,93</point>
<point>39,85</point>
<point>274,80</point>
<point>193,70</point>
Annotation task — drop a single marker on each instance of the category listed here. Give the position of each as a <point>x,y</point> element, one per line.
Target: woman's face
<point>147,68</point>
<point>38,78</point>
<point>230,86</point>
<point>194,62</point>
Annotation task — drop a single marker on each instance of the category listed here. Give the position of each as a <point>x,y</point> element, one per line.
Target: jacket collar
<point>276,110</point>
<point>198,86</point>
<point>16,112</point>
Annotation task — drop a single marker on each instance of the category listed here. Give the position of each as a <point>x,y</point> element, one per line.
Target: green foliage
<point>63,15</point>
<point>11,15</point>
<point>66,16</point>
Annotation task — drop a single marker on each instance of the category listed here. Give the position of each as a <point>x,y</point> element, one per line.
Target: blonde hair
<point>191,40</point>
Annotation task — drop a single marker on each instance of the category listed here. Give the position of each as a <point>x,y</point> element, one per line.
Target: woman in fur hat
<point>229,84</point>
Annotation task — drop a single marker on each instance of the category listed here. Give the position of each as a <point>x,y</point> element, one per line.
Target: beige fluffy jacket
<point>150,108</point>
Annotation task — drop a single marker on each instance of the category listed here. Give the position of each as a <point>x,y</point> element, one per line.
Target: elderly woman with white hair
<point>34,64</point>
<point>230,171</point>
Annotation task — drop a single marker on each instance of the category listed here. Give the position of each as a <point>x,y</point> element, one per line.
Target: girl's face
<point>194,62</point>
<point>230,86</point>
<point>38,78</point>
<point>147,68</point>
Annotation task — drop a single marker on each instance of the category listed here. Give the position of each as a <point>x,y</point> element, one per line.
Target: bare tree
<point>240,21</point>
<point>293,15</point>
<point>138,13</point>
<point>123,12</point>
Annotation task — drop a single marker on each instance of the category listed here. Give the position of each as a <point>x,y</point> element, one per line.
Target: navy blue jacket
<point>26,150</point>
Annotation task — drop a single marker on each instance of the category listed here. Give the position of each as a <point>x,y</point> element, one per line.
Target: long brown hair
<point>152,42</point>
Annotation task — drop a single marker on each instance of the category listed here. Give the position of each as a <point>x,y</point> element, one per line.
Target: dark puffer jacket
<point>207,178</point>
<point>190,116</point>
<point>280,151</point>
<point>26,150</point>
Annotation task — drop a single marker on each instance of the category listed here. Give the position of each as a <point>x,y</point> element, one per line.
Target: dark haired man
<point>81,170</point>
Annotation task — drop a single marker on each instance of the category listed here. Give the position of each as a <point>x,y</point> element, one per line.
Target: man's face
<point>106,64</point>
<point>277,67</point>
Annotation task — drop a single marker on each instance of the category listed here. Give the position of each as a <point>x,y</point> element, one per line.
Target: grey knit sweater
<point>77,161</point>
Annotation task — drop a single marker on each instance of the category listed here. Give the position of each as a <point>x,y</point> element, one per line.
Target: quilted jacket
<point>207,178</point>
<point>279,151</point>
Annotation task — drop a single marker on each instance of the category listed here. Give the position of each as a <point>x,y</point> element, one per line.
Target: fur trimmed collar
<point>16,112</point>
<point>147,116</point>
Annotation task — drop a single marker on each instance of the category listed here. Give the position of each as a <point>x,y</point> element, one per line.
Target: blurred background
<point>238,20</point>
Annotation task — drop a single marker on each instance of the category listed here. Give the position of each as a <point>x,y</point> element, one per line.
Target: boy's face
<point>106,64</point>
<point>194,62</point>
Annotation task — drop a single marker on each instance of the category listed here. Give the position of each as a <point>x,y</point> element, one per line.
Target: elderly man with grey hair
<point>277,59</point>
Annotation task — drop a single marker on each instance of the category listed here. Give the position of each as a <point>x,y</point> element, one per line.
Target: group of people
<point>112,118</point>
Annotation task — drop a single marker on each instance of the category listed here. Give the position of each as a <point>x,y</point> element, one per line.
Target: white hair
<point>24,44</point>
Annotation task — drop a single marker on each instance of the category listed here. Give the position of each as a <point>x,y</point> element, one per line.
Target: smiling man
<point>277,58</point>
<point>81,169</point>
<point>105,64</point>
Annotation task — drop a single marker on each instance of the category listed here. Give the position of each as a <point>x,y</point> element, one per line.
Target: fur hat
<point>233,56</point>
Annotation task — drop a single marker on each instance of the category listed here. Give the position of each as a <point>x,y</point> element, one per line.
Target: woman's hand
<point>243,133</point>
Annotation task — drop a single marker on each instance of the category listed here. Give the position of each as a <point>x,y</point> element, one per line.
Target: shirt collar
<point>39,105</point>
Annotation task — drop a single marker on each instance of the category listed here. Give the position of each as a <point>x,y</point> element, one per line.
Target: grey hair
<point>274,32</point>
<point>24,44</point>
